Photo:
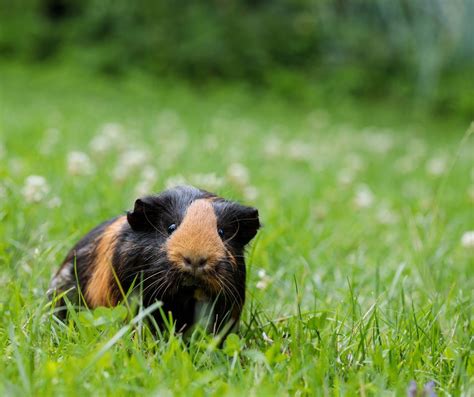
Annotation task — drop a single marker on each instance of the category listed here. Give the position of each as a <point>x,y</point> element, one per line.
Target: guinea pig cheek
<point>195,247</point>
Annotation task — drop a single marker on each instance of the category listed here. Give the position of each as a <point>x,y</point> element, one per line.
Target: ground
<point>359,282</point>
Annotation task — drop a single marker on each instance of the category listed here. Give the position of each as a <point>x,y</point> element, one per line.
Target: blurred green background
<point>417,54</point>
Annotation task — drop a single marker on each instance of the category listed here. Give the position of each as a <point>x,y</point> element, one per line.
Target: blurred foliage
<point>421,49</point>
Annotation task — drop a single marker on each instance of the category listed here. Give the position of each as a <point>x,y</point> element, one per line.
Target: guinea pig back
<point>183,247</point>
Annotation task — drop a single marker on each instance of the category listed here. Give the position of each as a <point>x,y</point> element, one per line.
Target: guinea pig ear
<point>248,223</point>
<point>143,216</point>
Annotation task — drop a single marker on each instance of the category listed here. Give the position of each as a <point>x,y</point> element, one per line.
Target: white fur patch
<point>63,280</point>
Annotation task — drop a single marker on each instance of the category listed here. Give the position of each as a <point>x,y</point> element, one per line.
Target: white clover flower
<point>110,137</point>
<point>379,141</point>
<point>250,193</point>
<point>112,130</point>
<point>345,176</point>
<point>134,158</point>
<point>386,216</point>
<point>25,266</point>
<point>120,173</point>
<point>299,150</point>
<point>149,174</point>
<point>273,146</point>
<point>266,338</point>
<point>467,239</point>
<point>238,173</point>
<point>175,180</point>
<point>100,144</point>
<point>262,284</point>
<point>436,166</point>
<point>54,202</point>
<point>148,180</point>
<point>208,181</point>
<point>355,162</point>
<point>364,198</point>
<point>128,162</point>
<point>143,188</point>
<point>264,280</point>
<point>79,163</point>
<point>35,189</point>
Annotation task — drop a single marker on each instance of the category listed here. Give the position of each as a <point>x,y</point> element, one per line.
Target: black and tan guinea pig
<point>183,247</point>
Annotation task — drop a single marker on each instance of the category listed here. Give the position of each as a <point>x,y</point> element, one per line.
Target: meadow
<point>360,281</point>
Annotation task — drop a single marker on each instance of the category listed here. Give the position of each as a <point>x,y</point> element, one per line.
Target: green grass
<point>367,284</point>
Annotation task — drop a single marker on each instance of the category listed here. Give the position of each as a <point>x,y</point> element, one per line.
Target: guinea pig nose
<point>194,261</point>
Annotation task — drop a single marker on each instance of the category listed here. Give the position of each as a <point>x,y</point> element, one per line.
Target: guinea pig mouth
<point>192,280</point>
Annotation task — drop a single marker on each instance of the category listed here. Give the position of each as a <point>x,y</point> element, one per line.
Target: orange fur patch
<point>98,290</point>
<point>197,238</point>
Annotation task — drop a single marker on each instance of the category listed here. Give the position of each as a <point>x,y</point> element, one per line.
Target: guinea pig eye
<point>171,228</point>
<point>220,232</point>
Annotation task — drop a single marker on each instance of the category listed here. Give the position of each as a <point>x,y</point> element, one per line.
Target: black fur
<point>140,261</point>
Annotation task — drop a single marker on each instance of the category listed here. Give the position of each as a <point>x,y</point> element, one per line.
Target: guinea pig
<point>183,247</point>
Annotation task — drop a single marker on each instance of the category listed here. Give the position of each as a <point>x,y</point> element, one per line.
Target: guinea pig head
<point>199,238</point>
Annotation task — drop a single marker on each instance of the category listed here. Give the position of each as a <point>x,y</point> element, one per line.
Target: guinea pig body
<point>183,247</point>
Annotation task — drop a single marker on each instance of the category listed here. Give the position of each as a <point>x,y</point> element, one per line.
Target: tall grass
<point>359,282</point>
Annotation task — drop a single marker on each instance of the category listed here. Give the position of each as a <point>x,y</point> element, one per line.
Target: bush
<point>406,47</point>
